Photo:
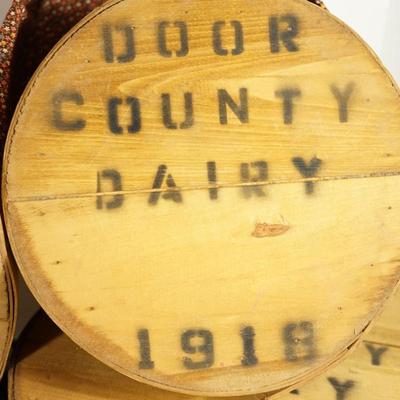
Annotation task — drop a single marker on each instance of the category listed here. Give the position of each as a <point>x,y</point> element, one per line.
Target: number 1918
<point>298,340</point>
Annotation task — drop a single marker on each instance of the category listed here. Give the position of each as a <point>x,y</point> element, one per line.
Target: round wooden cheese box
<point>203,194</point>
<point>48,365</point>
<point>8,306</point>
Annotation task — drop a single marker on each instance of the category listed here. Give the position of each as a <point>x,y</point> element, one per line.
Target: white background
<point>376,21</point>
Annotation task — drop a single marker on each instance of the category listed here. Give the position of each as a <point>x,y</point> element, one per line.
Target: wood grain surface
<point>48,366</point>
<point>371,373</point>
<point>205,197</point>
<point>5,320</point>
<point>8,299</point>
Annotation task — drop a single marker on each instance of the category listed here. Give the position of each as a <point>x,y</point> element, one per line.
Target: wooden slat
<point>49,366</point>
<point>8,300</point>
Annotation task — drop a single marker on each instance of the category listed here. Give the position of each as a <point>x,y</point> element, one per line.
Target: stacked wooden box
<point>202,195</point>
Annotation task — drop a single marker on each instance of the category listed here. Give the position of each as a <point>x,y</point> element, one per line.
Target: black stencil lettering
<point>299,341</point>
<point>212,179</point>
<point>239,46</point>
<point>249,354</point>
<point>58,119</point>
<point>262,176</point>
<point>241,110</point>
<point>342,98</point>
<point>158,181</point>
<point>286,34</point>
<point>99,200</point>
<point>109,54</point>
<point>217,39</point>
<point>162,39</point>
<point>113,119</point>
<point>136,121</point>
<point>108,44</point>
<point>172,193</point>
<point>342,389</point>
<point>206,348</point>
<point>308,170</point>
<point>376,353</point>
<point>288,95</point>
<point>145,351</point>
<point>167,113</point>
<point>116,182</point>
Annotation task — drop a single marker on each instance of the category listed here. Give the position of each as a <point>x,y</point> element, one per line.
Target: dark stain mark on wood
<point>269,230</point>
